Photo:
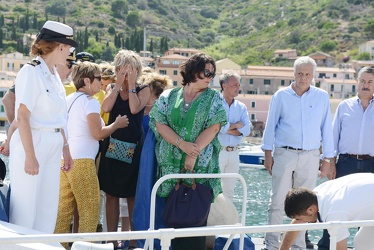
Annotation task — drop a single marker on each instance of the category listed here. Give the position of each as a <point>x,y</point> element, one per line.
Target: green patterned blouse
<point>205,111</point>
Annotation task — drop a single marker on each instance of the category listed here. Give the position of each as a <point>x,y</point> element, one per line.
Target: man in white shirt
<point>232,133</point>
<point>348,198</point>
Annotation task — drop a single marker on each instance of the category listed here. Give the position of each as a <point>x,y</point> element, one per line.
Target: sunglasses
<point>69,64</point>
<point>209,74</point>
<point>97,77</point>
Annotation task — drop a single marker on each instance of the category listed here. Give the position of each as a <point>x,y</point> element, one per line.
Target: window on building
<point>280,55</point>
<point>175,72</point>
<point>2,108</point>
<point>346,76</point>
<point>253,104</point>
<point>334,75</point>
<point>10,65</point>
<point>175,83</point>
<point>166,62</point>
<point>282,82</point>
<point>354,88</point>
<point>2,93</point>
<point>251,92</point>
<point>266,82</point>
<point>253,117</point>
<point>322,75</point>
<point>332,87</point>
<point>250,81</point>
<point>266,92</point>
<point>162,72</point>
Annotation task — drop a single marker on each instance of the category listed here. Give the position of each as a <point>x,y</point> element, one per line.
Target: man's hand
<point>269,161</point>
<point>328,169</point>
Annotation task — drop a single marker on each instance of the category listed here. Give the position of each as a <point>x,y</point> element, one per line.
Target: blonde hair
<point>157,83</point>
<point>125,57</point>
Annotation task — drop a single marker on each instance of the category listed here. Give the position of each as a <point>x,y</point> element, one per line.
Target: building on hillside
<point>226,64</point>
<point>187,52</point>
<point>357,65</point>
<point>290,54</point>
<point>13,61</point>
<point>367,47</point>
<point>266,80</point>
<point>147,59</point>
<point>323,59</point>
<point>169,65</point>
<point>7,80</point>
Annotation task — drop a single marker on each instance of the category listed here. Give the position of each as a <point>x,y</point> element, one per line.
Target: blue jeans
<point>345,166</point>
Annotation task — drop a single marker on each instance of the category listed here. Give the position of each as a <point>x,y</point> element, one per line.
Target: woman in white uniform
<point>39,141</point>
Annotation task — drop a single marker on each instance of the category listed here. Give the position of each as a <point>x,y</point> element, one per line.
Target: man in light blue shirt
<point>353,134</point>
<point>231,135</point>
<point>299,120</point>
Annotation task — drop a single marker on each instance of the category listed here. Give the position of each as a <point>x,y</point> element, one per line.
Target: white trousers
<point>291,169</point>
<point>34,198</point>
<point>229,163</point>
<point>364,238</point>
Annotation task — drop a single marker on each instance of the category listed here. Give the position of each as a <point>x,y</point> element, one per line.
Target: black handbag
<point>187,206</point>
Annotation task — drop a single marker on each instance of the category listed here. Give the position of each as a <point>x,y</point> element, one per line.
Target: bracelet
<point>66,144</point>
<point>179,140</point>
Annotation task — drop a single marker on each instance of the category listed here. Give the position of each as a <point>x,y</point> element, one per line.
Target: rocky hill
<point>246,31</point>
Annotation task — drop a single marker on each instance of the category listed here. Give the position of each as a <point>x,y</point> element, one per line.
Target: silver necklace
<point>187,105</point>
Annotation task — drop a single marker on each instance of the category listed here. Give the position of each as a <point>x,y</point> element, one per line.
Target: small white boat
<point>251,154</point>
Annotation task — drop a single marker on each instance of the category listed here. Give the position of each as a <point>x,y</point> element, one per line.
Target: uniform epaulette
<point>34,62</point>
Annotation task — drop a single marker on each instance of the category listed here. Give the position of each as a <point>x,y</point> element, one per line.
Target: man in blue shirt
<point>299,120</point>
<point>230,135</point>
<point>353,134</point>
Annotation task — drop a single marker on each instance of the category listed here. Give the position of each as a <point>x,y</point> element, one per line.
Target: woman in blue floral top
<point>186,121</point>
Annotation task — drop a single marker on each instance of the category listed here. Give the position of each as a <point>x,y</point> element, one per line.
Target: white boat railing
<point>166,235</point>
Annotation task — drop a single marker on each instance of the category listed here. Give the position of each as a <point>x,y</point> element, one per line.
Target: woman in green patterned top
<point>186,121</point>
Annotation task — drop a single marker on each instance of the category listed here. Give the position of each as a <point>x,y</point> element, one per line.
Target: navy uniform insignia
<point>34,62</point>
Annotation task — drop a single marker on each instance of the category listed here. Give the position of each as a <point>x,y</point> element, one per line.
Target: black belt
<point>288,147</point>
<point>359,157</point>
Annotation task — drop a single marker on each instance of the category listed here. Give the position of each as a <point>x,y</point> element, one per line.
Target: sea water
<point>258,192</point>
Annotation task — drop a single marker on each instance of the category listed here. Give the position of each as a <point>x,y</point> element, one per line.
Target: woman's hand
<point>68,161</point>
<point>121,75</point>
<point>191,149</point>
<point>121,121</point>
<point>189,163</point>
<point>4,148</point>
<point>31,165</point>
<point>132,75</point>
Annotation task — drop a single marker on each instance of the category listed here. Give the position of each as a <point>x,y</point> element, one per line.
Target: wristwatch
<point>132,91</point>
<point>327,160</point>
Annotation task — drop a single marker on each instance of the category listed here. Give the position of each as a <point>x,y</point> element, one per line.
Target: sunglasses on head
<point>209,74</point>
<point>97,77</point>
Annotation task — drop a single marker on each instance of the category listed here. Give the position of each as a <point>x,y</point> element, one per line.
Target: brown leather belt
<point>359,157</point>
<point>229,148</point>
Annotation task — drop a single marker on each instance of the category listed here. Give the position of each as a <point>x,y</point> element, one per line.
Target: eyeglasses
<point>97,77</point>
<point>209,74</point>
<point>69,64</point>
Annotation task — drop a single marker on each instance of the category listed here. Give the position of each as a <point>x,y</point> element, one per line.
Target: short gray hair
<point>366,69</point>
<point>305,60</point>
<point>225,77</point>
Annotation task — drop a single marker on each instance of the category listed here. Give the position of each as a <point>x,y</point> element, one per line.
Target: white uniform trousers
<point>34,198</point>
<point>292,168</point>
<point>229,163</point>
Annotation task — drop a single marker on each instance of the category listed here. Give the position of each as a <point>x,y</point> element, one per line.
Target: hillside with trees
<point>246,31</point>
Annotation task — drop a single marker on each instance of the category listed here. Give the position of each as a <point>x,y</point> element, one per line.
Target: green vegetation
<point>246,31</point>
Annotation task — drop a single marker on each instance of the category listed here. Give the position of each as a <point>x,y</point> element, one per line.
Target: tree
<point>327,46</point>
<point>35,22</point>
<point>85,39</point>
<point>365,56</point>
<point>151,45</point>
<point>1,39</point>
<point>120,8</point>
<point>57,8</point>
<point>369,27</point>
<point>133,19</point>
